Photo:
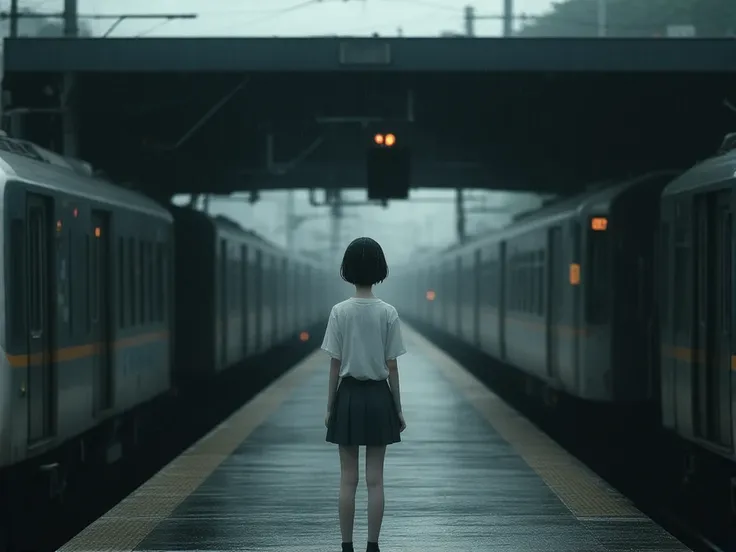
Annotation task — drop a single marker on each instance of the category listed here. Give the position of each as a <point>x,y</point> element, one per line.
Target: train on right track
<point>621,296</point>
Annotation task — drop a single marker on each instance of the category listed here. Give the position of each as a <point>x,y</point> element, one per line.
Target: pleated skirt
<point>363,414</point>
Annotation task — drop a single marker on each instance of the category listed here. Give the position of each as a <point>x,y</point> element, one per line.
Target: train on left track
<point>111,300</point>
<point>621,296</point>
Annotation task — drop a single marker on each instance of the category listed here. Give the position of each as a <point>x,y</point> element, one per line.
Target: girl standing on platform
<point>363,339</point>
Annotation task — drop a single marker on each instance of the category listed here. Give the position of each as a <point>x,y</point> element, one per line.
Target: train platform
<point>471,474</point>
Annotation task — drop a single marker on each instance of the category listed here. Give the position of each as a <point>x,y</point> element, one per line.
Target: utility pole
<point>470,18</point>
<point>14,18</point>
<point>71,18</point>
<point>508,17</point>
<point>460,216</point>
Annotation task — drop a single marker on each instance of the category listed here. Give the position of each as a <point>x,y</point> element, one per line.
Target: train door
<point>501,267</point>
<point>99,312</point>
<point>555,293</point>
<point>40,306</point>
<point>245,289</point>
<point>712,383</point>
<point>223,305</point>
<point>475,297</point>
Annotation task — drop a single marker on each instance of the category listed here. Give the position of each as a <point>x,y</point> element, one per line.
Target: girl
<point>363,339</point>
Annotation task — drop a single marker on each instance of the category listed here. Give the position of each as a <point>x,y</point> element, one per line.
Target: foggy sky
<point>402,226</point>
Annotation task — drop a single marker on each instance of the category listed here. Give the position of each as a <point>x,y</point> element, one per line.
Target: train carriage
<point>87,318</point>
<point>562,294</point>
<point>696,311</point>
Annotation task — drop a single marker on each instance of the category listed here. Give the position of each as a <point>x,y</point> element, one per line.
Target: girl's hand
<point>402,423</point>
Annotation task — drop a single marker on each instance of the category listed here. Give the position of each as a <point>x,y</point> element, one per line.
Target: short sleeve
<point>395,343</point>
<point>332,343</point>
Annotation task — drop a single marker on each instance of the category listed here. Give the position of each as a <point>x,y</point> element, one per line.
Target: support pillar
<point>70,143</point>
<point>460,214</point>
<point>336,213</point>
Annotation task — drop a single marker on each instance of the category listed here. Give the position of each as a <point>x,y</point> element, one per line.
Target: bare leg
<point>374,457</point>
<point>348,486</point>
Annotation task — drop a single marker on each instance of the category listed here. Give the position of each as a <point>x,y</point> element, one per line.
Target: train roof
<point>223,224</point>
<point>718,169</point>
<point>582,204</point>
<point>24,162</point>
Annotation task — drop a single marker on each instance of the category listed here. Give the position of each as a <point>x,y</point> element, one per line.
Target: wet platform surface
<point>471,474</point>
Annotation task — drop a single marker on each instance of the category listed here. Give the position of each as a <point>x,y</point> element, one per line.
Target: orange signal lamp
<point>378,139</point>
<point>431,295</point>
<point>599,224</point>
<point>304,336</point>
<point>390,140</point>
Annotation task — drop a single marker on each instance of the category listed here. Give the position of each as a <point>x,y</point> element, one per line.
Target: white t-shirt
<point>363,333</point>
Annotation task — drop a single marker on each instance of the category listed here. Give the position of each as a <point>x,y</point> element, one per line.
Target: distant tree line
<point>634,18</point>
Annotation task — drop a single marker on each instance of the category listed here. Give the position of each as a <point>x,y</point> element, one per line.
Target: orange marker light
<point>98,232</point>
<point>304,336</point>
<point>390,140</point>
<point>76,212</point>
<point>431,295</point>
<point>378,139</point>
<point>574,274</point>
<point>599,224</point>
<point>58,226</point>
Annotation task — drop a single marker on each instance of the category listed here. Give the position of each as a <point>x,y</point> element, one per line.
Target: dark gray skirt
<point>364,413</point>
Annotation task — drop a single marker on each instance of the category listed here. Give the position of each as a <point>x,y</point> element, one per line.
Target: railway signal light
<point>387,140</point>
<point>388,168</point>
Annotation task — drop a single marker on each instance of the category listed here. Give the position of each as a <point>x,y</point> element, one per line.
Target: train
<point>112,300</point>
<point>620,296</point>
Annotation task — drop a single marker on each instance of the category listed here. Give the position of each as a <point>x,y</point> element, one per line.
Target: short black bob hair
<point>364,263</point>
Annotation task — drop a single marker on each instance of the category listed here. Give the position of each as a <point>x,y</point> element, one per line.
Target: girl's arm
<point>334,376</point>
<point>393,382</point>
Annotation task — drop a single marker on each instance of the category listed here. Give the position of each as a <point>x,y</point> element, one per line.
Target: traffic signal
<point>388,168</point>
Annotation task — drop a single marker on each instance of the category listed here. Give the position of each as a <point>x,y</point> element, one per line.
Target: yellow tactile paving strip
<point>584,493</point>
<point>133,519</point>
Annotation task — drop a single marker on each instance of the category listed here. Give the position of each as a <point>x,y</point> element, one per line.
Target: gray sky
<point>403,226</point>
<point>269,17</point>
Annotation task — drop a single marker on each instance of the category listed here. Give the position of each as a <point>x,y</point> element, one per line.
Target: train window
<point>94,287</point>
<point>541,284</point>
<point>133,280</point>
<point>664,273</point>
<point>121,281</point>
<point>141,283</point>
<point>150,283</point>
<point>526,297</point>
<point>597,283</point>
<point>69,283</point>
<point>725,258</point>
<point>17,293</point>
<point>36,266</point>
<point>682,271</point>
<point>160,282</point>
